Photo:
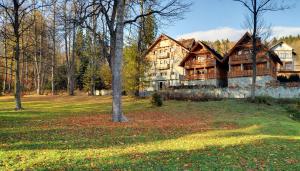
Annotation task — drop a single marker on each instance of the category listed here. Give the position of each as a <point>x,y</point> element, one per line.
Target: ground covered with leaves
<point>75,133</point>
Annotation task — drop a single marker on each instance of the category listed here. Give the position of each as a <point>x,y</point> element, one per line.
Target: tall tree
<point>146,35</point>
<point>115,20</point>
<point>54,23</point>
<point>4,35</point>
<point>257,8</point>
<point>16,13</point>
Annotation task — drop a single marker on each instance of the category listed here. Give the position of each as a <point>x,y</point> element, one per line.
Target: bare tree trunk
<point>54,48</point>
<point>16,27</point>
<point>36,60</point>
<point>10,75</point>
<point>72,63</point>
<point>23,60</point>
<point>5,67</point>
<point>93,58</point>
<point>117,115</point>
<point>139,51</point>
<point>254,52</point>
<point>66,45</point>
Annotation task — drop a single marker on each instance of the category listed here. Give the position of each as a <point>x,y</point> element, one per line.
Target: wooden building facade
<point>164,56</point>
<point>204,66</point>
<point>241,65</point>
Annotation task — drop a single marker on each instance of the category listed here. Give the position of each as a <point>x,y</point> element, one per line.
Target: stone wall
<point>201,82</point>
<point>275,92</point>
<point>247,81</point>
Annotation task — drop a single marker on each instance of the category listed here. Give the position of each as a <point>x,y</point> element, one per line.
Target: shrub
<point>282,79</point>
<point>294,78</point>
<point>291,78</point>
<point>156,99</point>
<point>188,96</point>
<point>262,100</point>
<point>296,116</point>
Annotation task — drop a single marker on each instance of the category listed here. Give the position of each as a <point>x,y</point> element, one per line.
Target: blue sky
<point>209,19</point>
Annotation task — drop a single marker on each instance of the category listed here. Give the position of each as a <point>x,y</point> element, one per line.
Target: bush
<point>282,79</point>
<point>294,78</point>
<point>262,100</point>
<point>156,100</point>
<point>296,116</point>
<point>188,96</point>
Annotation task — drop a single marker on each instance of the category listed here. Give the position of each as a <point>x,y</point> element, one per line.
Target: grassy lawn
<point>75,133</point>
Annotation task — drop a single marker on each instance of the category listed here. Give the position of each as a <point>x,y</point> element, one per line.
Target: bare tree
<point>53,31</point>
<point>256,9</point>
<point>17,12</point>
<point>4,35</point>
<point>115,20</point>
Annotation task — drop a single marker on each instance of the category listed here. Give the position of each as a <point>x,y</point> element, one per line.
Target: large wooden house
<point>289,58</point>
<point>204,66</point>
<point>164,56</point>
<point>240,63</point>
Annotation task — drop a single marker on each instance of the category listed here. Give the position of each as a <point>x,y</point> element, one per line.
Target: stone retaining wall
<point>275,92</point>
<point>247,81</point>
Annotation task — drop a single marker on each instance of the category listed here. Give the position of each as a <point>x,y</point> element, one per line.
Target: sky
<point>221,19</point>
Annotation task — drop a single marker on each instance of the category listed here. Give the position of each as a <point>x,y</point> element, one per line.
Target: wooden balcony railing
<point>248,73</point>
<point>200,76</point>
<point>163,67</point>
<point>197,64</point>
<point>245,58</point>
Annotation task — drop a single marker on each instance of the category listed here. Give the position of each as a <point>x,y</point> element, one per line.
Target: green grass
<point>75,133</point>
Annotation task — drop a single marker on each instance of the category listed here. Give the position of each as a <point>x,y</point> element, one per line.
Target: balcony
<point>198,64</point>
<point>237,59</point>
<point>200,76</point>
<point>246,58</point>
<point>163,55</point>
<point>249,73</point>
<point>163,67</point>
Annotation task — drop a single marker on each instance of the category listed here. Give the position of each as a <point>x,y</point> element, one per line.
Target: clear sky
<point>209,19</point>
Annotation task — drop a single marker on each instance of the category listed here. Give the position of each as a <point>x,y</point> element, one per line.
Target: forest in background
<point>58,54</point>
<point>57,51</point>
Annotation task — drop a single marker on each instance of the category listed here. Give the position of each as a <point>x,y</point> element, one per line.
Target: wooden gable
<point>201,50</point>
<point>241,52</point>
<point>160,39</point>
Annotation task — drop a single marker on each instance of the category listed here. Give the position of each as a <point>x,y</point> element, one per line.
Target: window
<point>248,67</point>
<point>288,65</point>
<point>240,52</point>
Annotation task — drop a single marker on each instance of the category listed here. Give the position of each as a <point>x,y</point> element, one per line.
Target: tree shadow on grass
<point>260,153</point>
<point>105,137</point>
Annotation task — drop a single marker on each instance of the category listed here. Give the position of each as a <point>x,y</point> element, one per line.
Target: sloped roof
<point>273,56</point>
<point>247,35</point>
<point>185,44</point>
<point>215,54</point>
<point>280,43</point>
